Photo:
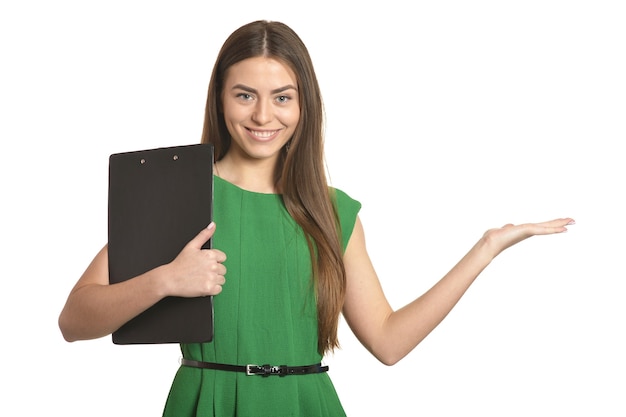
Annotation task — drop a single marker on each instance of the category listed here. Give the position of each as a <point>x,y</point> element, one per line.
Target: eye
<point>244,96</point>
<point>283,99</point>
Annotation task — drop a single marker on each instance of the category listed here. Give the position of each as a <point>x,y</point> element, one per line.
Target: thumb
<point>201,238</point>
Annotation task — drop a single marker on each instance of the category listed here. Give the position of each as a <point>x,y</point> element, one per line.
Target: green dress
<point>265,314</point>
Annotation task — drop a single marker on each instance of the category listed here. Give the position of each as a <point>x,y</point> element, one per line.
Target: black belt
<point>263,370</point>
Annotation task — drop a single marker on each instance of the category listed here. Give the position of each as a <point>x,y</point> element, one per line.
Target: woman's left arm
<point>390,335</point>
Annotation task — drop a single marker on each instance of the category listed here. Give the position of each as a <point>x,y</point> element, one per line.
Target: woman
<point>296,252</point>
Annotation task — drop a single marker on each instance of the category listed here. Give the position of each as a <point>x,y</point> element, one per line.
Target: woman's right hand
<point>197,272</point>
<point>94,308</point>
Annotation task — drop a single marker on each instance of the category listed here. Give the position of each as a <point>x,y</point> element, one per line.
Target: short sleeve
<point>347,209</point>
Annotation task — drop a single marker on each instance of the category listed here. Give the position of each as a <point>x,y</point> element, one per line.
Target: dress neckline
<point>243,190</point>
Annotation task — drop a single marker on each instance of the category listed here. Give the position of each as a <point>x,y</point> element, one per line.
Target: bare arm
<point>390,335</point>
<point>95,309</point>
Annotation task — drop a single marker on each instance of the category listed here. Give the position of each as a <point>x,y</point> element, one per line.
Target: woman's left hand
<point>499,239</point>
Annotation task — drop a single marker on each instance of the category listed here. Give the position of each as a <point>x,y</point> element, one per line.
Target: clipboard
<point>159,199</point>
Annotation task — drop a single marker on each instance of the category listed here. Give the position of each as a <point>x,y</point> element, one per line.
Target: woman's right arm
<point>95,309</point>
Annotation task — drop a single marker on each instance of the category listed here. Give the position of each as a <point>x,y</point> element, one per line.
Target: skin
<point>261,111</point>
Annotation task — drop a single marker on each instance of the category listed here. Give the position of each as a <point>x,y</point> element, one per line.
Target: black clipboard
<point>159,199</point>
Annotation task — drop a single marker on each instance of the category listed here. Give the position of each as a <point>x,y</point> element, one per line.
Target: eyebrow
<point>252,90</point>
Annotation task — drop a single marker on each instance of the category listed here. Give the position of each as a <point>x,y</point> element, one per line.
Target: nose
<point>262,113</point>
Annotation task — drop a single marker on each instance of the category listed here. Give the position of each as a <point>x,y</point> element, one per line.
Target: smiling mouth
<point>263,134</point>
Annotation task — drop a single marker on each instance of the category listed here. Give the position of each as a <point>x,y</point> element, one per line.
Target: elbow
<point>68,339</point>
<point>389,359</point>
<point>66,329</point>
<point>388,355</point>
<point>64,332</point>
<point>389,349</point>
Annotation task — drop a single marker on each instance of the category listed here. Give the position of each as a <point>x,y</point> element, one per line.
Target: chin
<point>263,152</point>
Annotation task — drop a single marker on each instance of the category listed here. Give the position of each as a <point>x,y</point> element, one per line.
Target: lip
<point>263,135</point>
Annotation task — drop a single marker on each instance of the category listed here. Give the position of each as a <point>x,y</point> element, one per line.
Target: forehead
<point>260,71</point>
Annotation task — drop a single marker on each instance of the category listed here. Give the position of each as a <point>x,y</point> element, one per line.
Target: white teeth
<point>264,134</point>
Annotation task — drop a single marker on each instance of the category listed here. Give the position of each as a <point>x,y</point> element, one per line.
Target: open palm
<point>508,235</point>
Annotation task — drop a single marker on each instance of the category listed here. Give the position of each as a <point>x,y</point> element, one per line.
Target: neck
<point>251,175</point>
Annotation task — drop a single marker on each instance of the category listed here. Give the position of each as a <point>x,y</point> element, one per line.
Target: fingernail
<point>211,226</point>
<point>571,222</point>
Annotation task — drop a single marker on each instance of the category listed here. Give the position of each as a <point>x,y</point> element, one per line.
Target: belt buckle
<point>249,369</point>
<point>266,370</point>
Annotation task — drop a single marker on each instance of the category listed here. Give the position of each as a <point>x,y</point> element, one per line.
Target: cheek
<point>232,119</point>
<point>233,113</point>
<point>291,117</point>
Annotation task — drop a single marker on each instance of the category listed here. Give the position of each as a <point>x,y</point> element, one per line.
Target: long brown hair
<point>300,170</point>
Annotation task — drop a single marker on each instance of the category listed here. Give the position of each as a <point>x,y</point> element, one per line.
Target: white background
<point>444,119</point>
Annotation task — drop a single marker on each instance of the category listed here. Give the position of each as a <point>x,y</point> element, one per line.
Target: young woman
<point>296,252</point>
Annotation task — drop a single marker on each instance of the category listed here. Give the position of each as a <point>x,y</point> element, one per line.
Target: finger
<point>218,255</point>
<point>202,237</point>
<point>217,268</point>
<point>557,225</point>
<point>552,226</point>
<point>216,290</point>
<point>566,221</point>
